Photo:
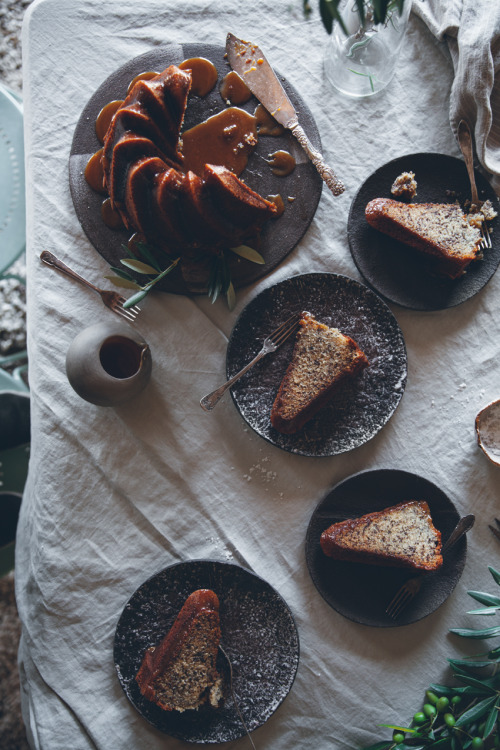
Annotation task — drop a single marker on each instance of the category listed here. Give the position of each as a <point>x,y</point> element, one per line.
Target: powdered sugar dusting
<point>362,406</point>
<point>258,635</point>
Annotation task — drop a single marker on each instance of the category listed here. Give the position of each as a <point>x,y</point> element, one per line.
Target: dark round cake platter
<point>362,592</point>
<point>300,190</point>
<point>398,272</point>
<point>258,635</point>
<point>361,406</point>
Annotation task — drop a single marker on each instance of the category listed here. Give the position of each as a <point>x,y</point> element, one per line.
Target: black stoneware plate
<point>304,184</point>
<point>363,405</point>
<point>396,271</point>
<point>362,592</point>
<point>258,634</point>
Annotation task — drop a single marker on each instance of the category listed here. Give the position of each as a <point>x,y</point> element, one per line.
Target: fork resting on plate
<point>411,587</point>
<point>271,343</point>
<point>113,300</point>
<point>465,143</point>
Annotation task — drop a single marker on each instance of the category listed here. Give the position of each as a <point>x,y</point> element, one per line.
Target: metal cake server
<point>250,63</point>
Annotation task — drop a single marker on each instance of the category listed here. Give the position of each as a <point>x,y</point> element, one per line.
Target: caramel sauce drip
<point>203,72</point>
<point>234,89</point>
<point>104,118</point>
<point>282,163</point>
<point>110,216</point>
<point>225,139</point>
<point>266,124</point>
<point>146,76</point>
<point>278,202</point>
<point>94,173</point>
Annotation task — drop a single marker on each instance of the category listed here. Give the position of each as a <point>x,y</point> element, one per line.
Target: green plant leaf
<point>483,686</point>
<point>476,712</point>
<point>466,663</point>
<point>483,598</point>
<point>400,729</point>
<point>139,266</point>
<point>248,253</point>
<point>483,611</point>
<point>495,573</point>
<point>122,283</point>
<point>148,254</point>
<point>135,298</point>
<point>472,633</point>
<point>122,273</point>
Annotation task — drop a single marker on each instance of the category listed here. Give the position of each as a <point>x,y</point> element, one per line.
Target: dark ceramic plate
<point>304,184</point>
<point>396,271</point>
<point>362,592</point>
<point>258,634</point>
<point>362,406</point>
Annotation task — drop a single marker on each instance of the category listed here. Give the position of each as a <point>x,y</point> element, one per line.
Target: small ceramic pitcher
<point>108,363</point>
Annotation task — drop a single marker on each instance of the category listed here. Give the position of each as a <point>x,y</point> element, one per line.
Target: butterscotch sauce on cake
<point>266,124</point>
<point>282,163</point>
<point>104,118</point>
<point>147,75</point>
<point>94,173</point>
<point>226,139</point>
<point>234,89</point>
<point>278,202</point>
<point>110,216</point>
<point>203,72</point>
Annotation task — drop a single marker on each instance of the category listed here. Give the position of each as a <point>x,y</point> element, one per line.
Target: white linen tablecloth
<point>115,495</point>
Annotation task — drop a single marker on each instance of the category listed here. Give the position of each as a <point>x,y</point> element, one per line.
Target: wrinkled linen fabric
<point>471,30</point>
<point>115,495</point>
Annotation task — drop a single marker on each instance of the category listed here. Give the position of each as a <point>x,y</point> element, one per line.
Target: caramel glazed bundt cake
<point>182,214</point>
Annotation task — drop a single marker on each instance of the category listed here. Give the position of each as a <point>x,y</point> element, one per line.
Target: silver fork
<point>271,343</point>
<point>411,587</point>
<point>113,300</point>
<point>465,143</point>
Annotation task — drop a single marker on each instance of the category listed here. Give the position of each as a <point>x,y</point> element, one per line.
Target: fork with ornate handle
<point>411,587</point>
<point>113,300</point>
<point>465,143</point>
<point>271,343</point>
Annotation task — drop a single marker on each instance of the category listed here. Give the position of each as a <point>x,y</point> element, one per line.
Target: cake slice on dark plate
<point>180,673</point>
<point>322,359</point>
<point>401,536</point>
<point>439,230</point>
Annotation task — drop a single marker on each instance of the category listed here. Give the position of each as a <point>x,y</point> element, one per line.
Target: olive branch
<point>219,280</point>
<point>466,717</point>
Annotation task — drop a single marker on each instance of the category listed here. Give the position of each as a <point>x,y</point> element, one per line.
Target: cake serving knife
<point>251,65</point>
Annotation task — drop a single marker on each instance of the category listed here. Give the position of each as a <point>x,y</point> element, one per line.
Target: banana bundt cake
<point>180,673</point>
<point>401,536</point>
<point>322,358</point>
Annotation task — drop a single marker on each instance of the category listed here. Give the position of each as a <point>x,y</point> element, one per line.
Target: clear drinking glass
<point>363,62</point>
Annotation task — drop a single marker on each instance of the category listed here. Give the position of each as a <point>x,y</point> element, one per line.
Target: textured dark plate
<point>362,592</point>
<point>304,184</point>
<point>362,406</point>
<point>258,634</point>
<point>400,273</point>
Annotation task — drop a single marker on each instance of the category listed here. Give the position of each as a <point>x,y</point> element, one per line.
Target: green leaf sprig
<point>219,281</point>
<point>465,717</point>
<point>126,280</point>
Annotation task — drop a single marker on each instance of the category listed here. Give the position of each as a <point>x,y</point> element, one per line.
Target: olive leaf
<point>476,712</point>
<point>249,253</point>
<point>483,598</point>
<point>139,266</point>
<point>122,283</point>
